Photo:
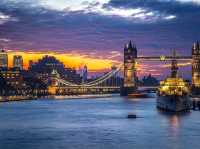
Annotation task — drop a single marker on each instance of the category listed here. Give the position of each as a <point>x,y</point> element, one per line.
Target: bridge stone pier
<point>130,56</point>
<point>196,69</point>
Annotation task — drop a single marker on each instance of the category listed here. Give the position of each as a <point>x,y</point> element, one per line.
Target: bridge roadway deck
<point>79,90</point>
<point>165,58</point>
<point>88,87</point>
<point>104,87</point>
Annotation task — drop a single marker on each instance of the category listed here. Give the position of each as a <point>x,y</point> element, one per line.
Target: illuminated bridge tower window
<point>130,55</point>
<point>196,66</point>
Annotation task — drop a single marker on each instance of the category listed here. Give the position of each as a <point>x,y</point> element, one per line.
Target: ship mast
<point>174,66</point>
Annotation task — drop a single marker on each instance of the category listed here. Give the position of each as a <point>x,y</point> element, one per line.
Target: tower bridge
<point>131,57</point>
<point>64,87</point>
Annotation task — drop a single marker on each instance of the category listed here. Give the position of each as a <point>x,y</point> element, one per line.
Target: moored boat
<point>173,93</point>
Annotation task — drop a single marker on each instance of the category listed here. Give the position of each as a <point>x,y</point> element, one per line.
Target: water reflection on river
<point>95,124</point>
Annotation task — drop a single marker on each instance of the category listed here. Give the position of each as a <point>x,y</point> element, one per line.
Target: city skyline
<point>97,65</point>
<point>72,60</point>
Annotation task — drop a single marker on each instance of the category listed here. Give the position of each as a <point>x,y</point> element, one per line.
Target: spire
<point>197,45</point>
<point>130,44</point>
<point>194,46</point>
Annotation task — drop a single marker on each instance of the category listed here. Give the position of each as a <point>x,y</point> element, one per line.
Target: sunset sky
<point>94,32</point>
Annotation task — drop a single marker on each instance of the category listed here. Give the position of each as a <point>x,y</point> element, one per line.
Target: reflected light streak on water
<point>95,124</point>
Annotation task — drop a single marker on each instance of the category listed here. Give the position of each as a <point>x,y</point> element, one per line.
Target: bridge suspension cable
<point>103,78</point>
<point>92,83</point>
<point>62,81</point>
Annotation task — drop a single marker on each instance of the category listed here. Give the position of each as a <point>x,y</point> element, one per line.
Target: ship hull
<point>174,103</point>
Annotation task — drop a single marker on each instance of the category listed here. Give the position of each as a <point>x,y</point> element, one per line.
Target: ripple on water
<point>95,124</point>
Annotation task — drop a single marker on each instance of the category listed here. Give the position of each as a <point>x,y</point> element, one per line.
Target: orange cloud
<point>69,59</point>
<point>96,62</point>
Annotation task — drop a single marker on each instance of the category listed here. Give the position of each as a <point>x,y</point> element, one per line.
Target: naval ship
<point>173,92</point>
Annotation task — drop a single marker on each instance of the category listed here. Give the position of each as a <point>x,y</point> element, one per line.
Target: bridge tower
<point>196,68</point>
<point>130,55</point>
<point>53,87</point>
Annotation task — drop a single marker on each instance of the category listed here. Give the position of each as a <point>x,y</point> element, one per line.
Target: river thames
<point>95,124</point>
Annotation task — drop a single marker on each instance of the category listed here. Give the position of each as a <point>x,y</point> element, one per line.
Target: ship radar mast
<point>174,66</point>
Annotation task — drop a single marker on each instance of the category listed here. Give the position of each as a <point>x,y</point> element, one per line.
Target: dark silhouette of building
<point>37,86</point>
<point>14,83</point>
<point>3,60</point>
<point>30,64</point>
<point>18,62</point>
<point>149,81</point>
<point>44,67</point>
<point>84,74</point>
<point>5,89</point>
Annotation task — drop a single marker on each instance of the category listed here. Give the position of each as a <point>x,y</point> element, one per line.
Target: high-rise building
<point>84,74</point>
<point>18,62</point>
<point>30,64</point>
<point>3,60</point>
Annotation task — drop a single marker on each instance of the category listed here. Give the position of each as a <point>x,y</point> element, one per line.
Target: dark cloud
<point>42,28</point>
